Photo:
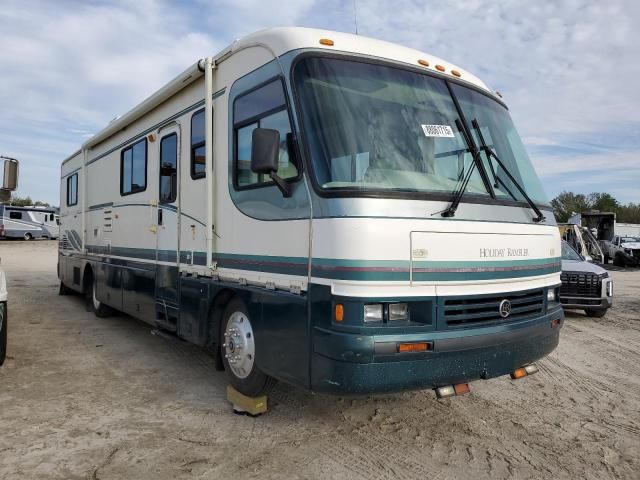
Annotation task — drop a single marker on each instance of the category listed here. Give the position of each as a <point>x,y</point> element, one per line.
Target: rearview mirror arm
<point>284,187</point>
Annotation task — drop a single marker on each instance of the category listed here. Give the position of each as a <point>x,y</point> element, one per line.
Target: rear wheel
<point>28,236</point>
<point>595,313</point>
<point>238,348</point>
<point>3,332</point>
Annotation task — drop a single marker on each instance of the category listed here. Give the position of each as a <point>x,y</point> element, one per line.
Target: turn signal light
<point>518,373</point>
<point>555,323</point>
<point>339,312</point>
<point>461,388</point>
<point>326,41</point>
<point>413,347</point>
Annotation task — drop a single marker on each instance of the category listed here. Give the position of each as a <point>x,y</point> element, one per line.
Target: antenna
<point>355,15</point>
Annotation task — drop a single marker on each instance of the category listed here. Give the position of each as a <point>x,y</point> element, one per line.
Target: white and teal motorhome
<point>28,222</point>
<point>340,213</point>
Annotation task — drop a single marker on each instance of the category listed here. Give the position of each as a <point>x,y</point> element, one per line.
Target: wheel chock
<point>243,405</point>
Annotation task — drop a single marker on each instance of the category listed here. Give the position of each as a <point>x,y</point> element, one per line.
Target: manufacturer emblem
<point>505,308</point>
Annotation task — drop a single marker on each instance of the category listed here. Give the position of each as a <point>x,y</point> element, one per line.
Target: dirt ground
<point>83,397</point>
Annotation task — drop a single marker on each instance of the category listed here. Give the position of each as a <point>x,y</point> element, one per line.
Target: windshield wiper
<point>450,211</point>
<point>490,153</point>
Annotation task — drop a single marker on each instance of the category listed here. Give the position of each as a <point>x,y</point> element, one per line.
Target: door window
<point>169,168</point>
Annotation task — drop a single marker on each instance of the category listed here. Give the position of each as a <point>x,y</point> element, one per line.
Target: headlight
<point>398,311</point>
<point>551,295</point>
<point>610,289</point>
<point>373,312</point>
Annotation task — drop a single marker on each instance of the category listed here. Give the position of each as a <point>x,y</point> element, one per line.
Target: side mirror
<point>10,174</point>
<point>265,155</point>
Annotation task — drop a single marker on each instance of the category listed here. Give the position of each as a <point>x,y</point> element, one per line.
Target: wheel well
<point>216,312</point>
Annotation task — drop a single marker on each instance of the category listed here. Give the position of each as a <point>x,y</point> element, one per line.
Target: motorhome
<point>28,222</point>
<point>340,213</point>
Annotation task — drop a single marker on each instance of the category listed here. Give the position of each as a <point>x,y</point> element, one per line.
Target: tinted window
<point>15,215</point>
<point>169,168</point>
<point>133,168</point>
<point>72,189</point>
<point>262,108</point>
<point>255,103</point>
<point>569,253</point>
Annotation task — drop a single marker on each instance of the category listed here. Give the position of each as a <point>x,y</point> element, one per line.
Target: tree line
<point>568,203</point>
<point>26,202</point>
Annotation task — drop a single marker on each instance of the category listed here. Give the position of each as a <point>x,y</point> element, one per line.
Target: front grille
<point>580,284</point>
<point>485,310</point>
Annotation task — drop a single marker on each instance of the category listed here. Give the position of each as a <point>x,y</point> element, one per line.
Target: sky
<point>568,70</point>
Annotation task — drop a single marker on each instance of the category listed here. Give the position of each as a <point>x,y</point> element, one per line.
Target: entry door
<point>168,215</point>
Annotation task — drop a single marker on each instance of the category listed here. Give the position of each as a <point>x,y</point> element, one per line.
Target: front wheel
<point>3,332</point>
<point>238,348</point>
<point>595,313</point>
<point>28,236</point>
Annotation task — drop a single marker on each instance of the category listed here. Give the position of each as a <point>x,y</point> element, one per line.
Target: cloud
<point>567,69</point>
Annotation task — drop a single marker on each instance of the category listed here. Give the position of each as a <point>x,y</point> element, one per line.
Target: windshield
<point>378,128</point>
<point>569,253</point>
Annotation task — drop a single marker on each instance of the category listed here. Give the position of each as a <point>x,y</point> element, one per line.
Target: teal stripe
<point>363,270</point>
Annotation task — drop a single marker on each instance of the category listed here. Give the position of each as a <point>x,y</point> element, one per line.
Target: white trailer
<point>28,222</point>
<point>337,212</point>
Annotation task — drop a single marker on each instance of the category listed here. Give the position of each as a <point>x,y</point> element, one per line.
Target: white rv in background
<point>340,213</point>
<point>28,222</point>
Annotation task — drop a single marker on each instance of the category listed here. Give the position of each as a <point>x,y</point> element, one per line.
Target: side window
<point>264,107</point>
<point>15,215</point>
<point>169,168</point>
<point>198,169</point>
<point>133,168</point>
<point>72,190</point>
<point>51,217</point>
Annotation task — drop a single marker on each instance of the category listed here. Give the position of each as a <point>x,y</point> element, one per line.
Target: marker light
<point>326,41</point>
<point>423,62</point>
<point>461,388</point>
<point>456,73</point>
<point>440,68</point>
<point>398,311</point>
<point>413,347</point>
<point>531,369</point>
<point>500,95</point>
<point>518,373</point>
<point>610,288</point>
<point>551,295</point>
<point>373,312</point>
<point>339,312</point>
<point>555,323</point>
<point>444,392</point>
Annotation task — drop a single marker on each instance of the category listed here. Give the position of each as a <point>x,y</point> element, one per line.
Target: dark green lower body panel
<point>458,359</point>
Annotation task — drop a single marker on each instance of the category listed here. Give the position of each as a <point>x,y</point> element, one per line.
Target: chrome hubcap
<point>239,347</point>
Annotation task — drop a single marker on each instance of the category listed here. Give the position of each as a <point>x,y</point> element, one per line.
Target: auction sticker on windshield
<point>437,131</point>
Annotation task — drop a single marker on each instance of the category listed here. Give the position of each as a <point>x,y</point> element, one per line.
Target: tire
<point>596,313</point>
<point>63,290</point>
<point>618,261</point>
<point>240,363</point>
<point>94,305</point>
<point>28,236</point>
<point>3,332</point>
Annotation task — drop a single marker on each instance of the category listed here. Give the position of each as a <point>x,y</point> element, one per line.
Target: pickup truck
<point>624,251</point>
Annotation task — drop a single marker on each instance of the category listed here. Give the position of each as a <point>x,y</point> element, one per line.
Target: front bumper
<point>346,363</point>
